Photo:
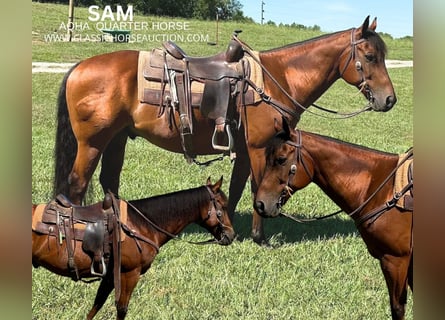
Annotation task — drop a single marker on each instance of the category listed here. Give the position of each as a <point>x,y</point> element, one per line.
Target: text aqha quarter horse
<point>361,182</point>
<point>99,108</point>
<point>150,223</point>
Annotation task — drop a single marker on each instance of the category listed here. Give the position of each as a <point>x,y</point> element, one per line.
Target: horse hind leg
<point>85,163</point>
<point>112,162</point>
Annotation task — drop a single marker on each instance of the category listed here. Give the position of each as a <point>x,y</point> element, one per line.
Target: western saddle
<point>221,76</point>
<point>97,226</point>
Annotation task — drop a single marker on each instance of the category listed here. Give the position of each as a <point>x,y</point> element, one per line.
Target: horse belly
<point>48,253</point>
<point>157,130</point>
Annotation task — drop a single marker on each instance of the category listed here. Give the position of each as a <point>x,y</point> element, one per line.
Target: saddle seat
<point>91,213</point>
<point>213,67</point>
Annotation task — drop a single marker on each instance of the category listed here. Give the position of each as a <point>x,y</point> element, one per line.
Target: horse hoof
<point>260,240</point>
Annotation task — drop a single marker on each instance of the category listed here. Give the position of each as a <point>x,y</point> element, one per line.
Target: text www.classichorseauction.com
<point>93,29</point>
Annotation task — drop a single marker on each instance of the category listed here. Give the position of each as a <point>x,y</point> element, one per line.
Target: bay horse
<point>152,223</point>
<point>99,108</point>
<point>361,182</point>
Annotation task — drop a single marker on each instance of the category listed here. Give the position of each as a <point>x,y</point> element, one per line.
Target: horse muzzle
<point>227,237</point>
<point>265,210</point>
<point>380,104</point>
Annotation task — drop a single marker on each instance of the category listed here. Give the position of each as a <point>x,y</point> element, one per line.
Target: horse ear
<point>373,25</point>
<point>278,127</point>
<point>217,185</point>
<point>208,182</point>
<point>365,25</point>
<point>286,128</point>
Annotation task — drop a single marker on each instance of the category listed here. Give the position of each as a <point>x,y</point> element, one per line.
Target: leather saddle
<point>96,226</point>
<point>220,74</point>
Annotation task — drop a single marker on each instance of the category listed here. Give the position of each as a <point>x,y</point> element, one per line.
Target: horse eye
<point>281,160</point>
<point>370,57</point>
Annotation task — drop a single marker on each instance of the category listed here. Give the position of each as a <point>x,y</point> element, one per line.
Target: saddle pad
<point>401,178</point>
<point>256,75</point>
<point>143,84</point>
<point>38,214</point>
<point>40,209</point>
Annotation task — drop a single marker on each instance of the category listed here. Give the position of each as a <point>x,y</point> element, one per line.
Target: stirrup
<point>221,147</point>
<point>104,269</point>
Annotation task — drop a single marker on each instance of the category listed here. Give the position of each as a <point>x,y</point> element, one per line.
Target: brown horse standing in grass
<point>361,182</point>
<point>99,108</point>
<point>151,223</point>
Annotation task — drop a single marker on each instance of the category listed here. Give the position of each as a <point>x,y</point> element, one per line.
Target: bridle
<point>371,215</point>
<point>358,66</point>
<point>285,110</point>
<point>214,207</point>
<point>288,191</point>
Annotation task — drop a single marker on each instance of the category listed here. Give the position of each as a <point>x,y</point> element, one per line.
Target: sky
<point>394,17</point>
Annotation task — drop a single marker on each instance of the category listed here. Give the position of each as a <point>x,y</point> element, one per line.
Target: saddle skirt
<point>403,177</point>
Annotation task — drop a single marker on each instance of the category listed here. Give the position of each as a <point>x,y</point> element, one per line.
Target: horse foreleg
<point>112,162</point>
<point>128,283</point>
<point>105,288</point>
<point>395,270</point>
<point>410,274</point>
<point>257,163</point>
<point>86,162</point>
<point>238,179</point>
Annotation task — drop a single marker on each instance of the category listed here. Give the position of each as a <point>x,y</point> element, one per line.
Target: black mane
<point>167,207</point>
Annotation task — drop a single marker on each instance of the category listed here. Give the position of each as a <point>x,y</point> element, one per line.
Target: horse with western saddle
<point>116,241</point>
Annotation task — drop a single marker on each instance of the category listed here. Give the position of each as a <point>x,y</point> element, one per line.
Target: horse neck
<point>348,173</point>
<point>170,212</point>
<point>315,61</point>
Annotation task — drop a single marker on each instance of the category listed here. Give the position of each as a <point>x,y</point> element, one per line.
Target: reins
<point>373,214</point>
<point>169,234</point>
<point>282,108</point>
<point>298,146</point>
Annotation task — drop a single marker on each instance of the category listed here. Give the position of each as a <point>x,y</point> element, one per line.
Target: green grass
<point>318,270</point>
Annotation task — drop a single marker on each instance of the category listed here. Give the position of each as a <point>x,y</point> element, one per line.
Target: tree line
<point>198,9</point>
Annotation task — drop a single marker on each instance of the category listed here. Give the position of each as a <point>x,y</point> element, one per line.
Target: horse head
<point>288,169</point>
<point>216,220</point>
<point>363,65</point>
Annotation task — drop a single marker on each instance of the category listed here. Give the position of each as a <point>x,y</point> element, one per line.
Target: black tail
<point>66,145</point>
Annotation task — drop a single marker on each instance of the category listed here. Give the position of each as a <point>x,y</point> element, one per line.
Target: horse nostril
<point>259,207</point>
<point>391,101</point>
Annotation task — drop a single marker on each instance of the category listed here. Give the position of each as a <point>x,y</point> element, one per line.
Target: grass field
<point>318,270</point>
